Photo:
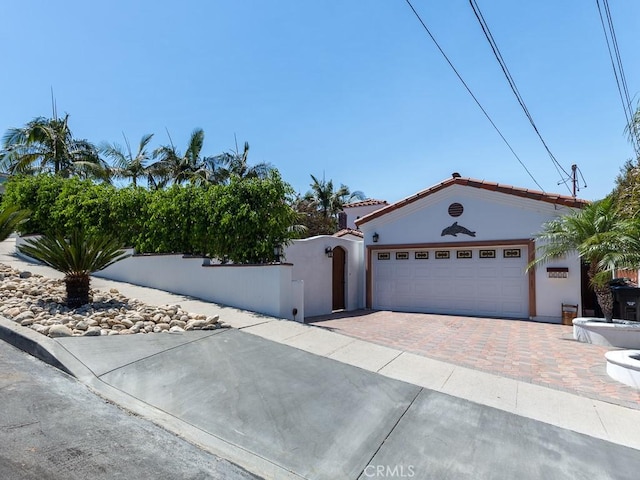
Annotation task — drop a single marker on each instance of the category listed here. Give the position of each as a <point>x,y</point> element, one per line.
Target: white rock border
<point>37,302</point>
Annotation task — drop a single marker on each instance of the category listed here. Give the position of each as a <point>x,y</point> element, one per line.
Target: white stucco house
<point>459,247</point>
<point>462,247</point>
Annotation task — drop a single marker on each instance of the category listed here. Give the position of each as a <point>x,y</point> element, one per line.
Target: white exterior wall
<point>551,293</point>
<point>311,264</point>
<point>353,213</point>
<point>493,216</point>
<point>266,289</point>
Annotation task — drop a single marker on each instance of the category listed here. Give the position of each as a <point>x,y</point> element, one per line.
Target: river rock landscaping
<point>38,303</point>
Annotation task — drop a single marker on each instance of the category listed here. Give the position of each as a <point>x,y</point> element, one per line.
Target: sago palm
<point>603,238</point>
<point>10,218</point>
<point>77,257</point>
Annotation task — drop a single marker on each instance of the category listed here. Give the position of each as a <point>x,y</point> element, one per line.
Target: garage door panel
<point>486,289</point>
<point>491,307</point>
<point>466,271</point>
<point>512,308</point>
<point>474,286</point>
<point>513,274</point>
<point>511,290</point>
<point>487,272</point>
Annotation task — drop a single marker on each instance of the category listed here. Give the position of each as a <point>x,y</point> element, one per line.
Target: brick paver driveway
<point>540,353</point>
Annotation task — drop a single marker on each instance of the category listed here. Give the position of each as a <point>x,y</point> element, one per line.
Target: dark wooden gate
<point>338,278</point>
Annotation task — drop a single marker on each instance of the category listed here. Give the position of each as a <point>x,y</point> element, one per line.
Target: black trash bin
<point>626,301</point>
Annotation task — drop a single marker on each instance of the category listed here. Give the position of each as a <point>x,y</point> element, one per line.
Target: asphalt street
<point>52,427</point>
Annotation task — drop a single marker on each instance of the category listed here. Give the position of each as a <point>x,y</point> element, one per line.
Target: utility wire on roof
<point>471,93</point>
<point>514,89</point>
<point>618,72</point>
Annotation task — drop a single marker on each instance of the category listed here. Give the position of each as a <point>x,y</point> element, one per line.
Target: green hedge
<point>241,221</point>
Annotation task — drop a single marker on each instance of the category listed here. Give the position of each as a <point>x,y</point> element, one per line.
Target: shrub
<point>241,221</point>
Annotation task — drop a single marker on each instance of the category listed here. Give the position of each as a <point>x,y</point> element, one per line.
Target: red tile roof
<point>349,231</point>
<point>553,198</point>
<point>365,203</point>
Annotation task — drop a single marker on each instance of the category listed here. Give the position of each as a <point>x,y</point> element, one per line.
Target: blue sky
<point>352,89</point>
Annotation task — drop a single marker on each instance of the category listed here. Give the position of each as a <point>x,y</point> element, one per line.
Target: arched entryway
<point>339,267</point>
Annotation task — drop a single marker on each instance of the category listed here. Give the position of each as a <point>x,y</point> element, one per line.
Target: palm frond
<point>10,220</point>
<point>77,255</point>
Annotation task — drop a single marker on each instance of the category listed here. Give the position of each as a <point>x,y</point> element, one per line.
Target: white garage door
<point>488,281</point>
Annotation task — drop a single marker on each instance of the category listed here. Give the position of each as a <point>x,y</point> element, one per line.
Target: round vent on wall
<point>456,209</point>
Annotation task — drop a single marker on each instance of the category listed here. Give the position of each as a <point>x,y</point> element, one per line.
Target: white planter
<point>620,333</point>
<point>624,366</point>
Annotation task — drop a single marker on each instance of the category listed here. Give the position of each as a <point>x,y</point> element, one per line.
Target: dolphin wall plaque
<point>455,229</point>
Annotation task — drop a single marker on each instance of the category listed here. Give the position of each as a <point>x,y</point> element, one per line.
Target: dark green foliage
<point>252,209</point>
<point>626,193</point>
<point>241,221</point>
<point>37,194</point>
<point>10,219</point>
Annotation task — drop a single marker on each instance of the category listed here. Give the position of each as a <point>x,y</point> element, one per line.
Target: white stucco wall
<point>493,216</point>
<point>311,264</point>
<point>551,293</point>
<point>260,288</point>
<point>353,213</point>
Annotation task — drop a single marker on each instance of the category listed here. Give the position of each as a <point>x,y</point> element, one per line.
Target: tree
<point>126,165</point>
<point>626,193</point>
<point>249,218</point>
<point>329,202</point>
<point>627,190</point>
<point>234,164</point>
<point>172,166</point>
<point>10,218</point>
<point>313,221</point>
<point>77,257</point>
<point>602,237</point>
<point>47,145</point>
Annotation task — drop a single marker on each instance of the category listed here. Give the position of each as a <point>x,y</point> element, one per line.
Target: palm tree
<point>47,145</point>
<point>77,258</point>
<point>602,237</point>
<point>126,164</point>
<point>235,165</point>
<point>172,166</point>
<point>10,218</point>
<point>328,201</point>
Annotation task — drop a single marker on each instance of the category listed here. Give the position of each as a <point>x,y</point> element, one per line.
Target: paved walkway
<point>538,353</point>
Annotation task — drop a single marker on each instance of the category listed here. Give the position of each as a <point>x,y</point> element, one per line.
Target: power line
<point>618,72</point>
<point>471,93</point>
<point>514,88</point>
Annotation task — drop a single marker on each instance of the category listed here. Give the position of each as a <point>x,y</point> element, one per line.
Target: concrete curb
<point>35,344</point>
